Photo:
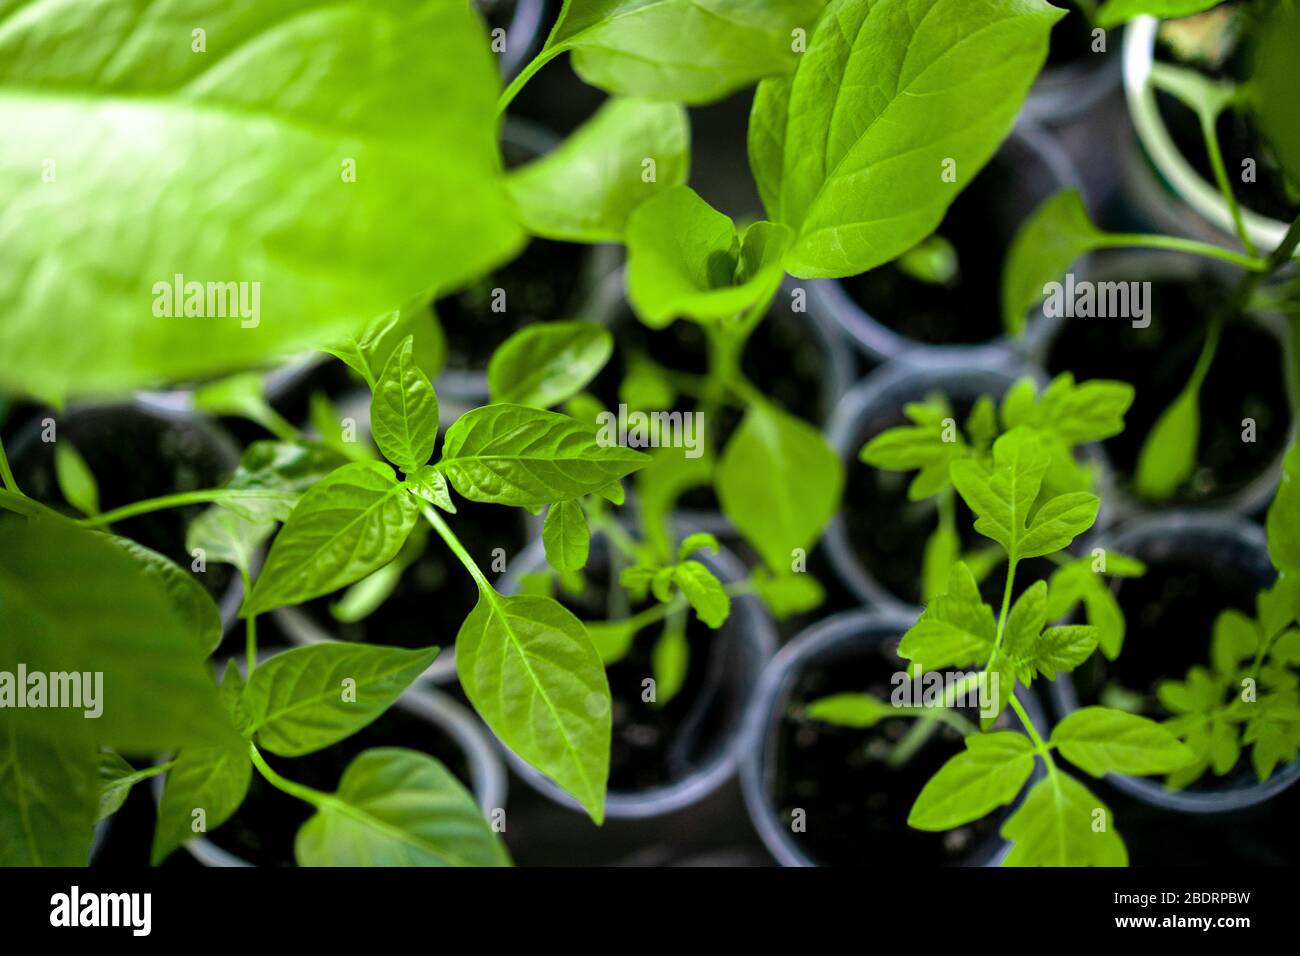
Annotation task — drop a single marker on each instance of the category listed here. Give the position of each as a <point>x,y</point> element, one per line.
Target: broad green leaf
<point>1275,80</point>
<point>323,162</point>
<point>116,777</point>
<point>242,395</point>
<point>692,51</point>
<point>1058,522</point>
<point>1085,412</point>
<point>527,457</point>
<point>585,189</point>
<point>368,351</point>
<point>669,659</point>
<point>75,601</point>
<point>685,259</point>
<point>986,775</point>
<point>787,592</point>
<point>1023,628</point>
<point>566,537</point>
<point>1168,455</point>
<point>283,471</point>
<point>612,639</point>
<point>188,598</point>
<point>1114,12</point>
<point>1236,639</point>
<point>397,807</point>
<point>228,538</point>
<point>704,591</point>
<point>366,596</point>
<point>1050,241</point>
<point>404,411</point>
<point>1061,823</point>
<point>213,780</point>
<point>956,629</point>
<point>532,673</point>
<point>348,525</point>
<point>850,710</point>
<point>1098,740</point>
<point>48,798</point>
<point>548,363</point>
<point>930,445</point>
<point>694,543</point>
<point>858,151</point>
<point>309,697</point>
<point>1061,649</point>
<point>779,482</point>
<point>76,480</point>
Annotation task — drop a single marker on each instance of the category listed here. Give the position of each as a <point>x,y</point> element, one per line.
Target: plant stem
<point>315,797</point>
<point>250,625</point>
<point>536,63</point>
<point>1002,615</point>
<point>132,779</point>
<point>458,549</point>
<point>6,474</point>
<point>659,612</point>
<point>180,500</point>
<point>1177,244</point>
<point>1221,179</point>
<point>929,721</point>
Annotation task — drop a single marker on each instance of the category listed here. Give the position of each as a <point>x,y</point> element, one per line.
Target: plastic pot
<point>1030,167</point>
<point>1211,551</point>
<point>184,452</point>
<point>444,717</point>
<point>843,645</point>
<point>1209,218</point>
<point>704,742</point>
<point>1158,359</point>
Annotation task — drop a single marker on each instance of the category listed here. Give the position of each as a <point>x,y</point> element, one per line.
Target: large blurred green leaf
<point>216,142</point>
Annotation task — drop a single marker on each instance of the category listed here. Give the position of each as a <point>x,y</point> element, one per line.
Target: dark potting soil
<point>658,744</point>
<point>114,441</point>
<point>888,532</point>
<point>1246,381</point>
<point>855,805</point>
<point>436,593</point>
<point>1238,141</point>
<point>1169,615</point>
<point>262,830</point>
<point>1071,45</point>
<point>980,224</point>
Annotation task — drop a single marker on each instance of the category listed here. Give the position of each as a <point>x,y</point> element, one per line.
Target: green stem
<point>250,626</point>
<point>1221,179</point>
<point>1177,244</point>
<point>181,500</point>
<point>925,728</point>
<point>458,549</point>
<point>1002,615</point>
<point>659,612</point>
<point>131,779</point>
<point>6,474</point>
<point>315,797</point>
<point>536,63</point>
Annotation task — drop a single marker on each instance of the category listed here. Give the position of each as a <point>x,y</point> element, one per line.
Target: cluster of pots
<point>731,755</point>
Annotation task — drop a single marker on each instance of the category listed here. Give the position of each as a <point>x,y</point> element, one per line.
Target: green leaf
<point>612,639</point>
<point>1061,823</point>
<point>930,445</point>
<point>368,351</point>
<point>242,395</point>
<point>362,599</point>
<point>1276,77</point>
<point>1114,12</point>
<point>849,710</point>
<point>984,776</point>
<point>188,598</point>
<point>956,629</point>
<point>397,807</point>
<point>1050,241</point>
<point>1168,455</point>
<point>1058,522</point>
<point>348,525</point>
<point>47,799</point>
<point>692,51</point>
<point>228,538</point>
<point>404,410</point>
<point>704,591</point>
<point>548,363</point>
<point>566,537</point>
<point>933,261</point>
<point>1023,629</point>
<point>851,151</point>
<point>256,188</point>
<point>283,470</point>
<point>1061,649</point>
<point>1236,638</point>
<point>428,482</point>
<point>1098,740</point>
<point>585,189</point>
<point>116,777</point>
<point>526,457</point>
<point>669,659</point>
<point>694,543</point>
<point>787,592</point>
<point>73,600</point>
<point>76,481</point>
<point>532,673</point>
<point>1087,412</point>
<point>213,780</point>
<point>310,697</point>
<point>685,259</point>
<point>1283,520</point>
<point>779,483</point>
